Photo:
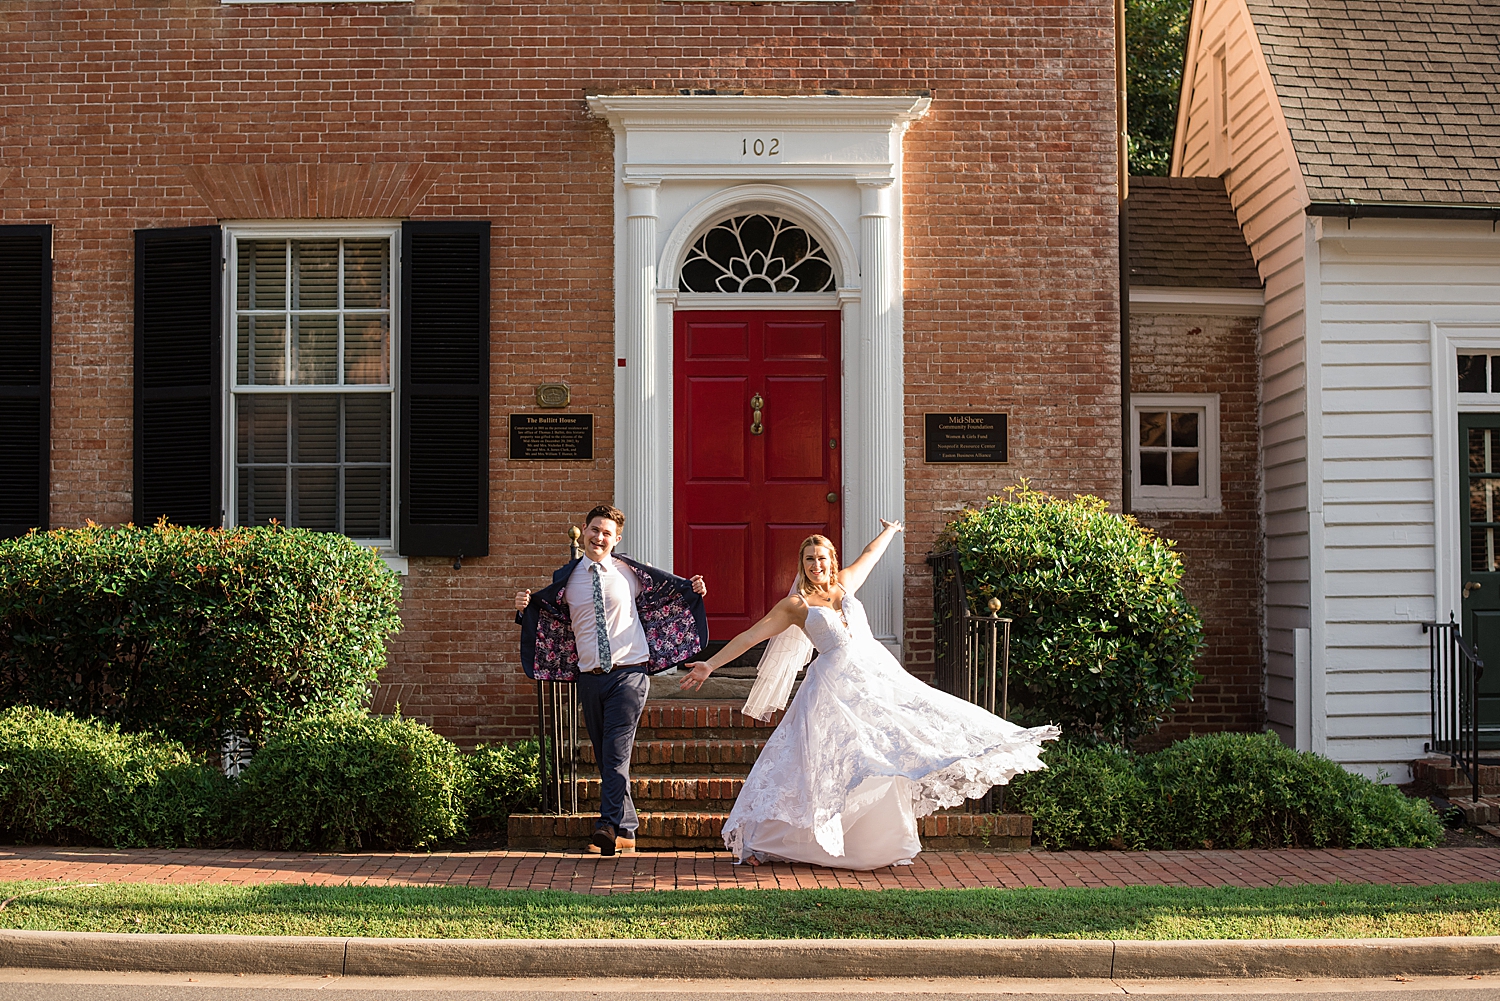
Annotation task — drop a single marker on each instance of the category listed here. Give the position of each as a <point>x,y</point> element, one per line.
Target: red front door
<point>745,496</point>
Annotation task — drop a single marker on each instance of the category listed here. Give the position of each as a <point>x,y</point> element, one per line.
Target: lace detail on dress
<point>860,716</point>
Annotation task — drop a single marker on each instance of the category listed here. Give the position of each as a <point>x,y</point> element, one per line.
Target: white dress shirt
<point>620,586</point>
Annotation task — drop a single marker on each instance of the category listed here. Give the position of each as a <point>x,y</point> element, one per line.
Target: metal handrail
<point>557,713</point>
<point>971,652</point>
<point>1454,670</point>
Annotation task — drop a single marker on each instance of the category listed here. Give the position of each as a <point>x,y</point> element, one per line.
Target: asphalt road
<point>46,985</point>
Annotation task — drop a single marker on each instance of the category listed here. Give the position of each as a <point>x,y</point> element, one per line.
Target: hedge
<point>65,780</point>
<point>344,779</point>
<point>1225,790</point>
<point>192,632</point>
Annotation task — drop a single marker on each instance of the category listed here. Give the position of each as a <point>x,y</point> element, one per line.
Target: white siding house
<point>1359,151</point>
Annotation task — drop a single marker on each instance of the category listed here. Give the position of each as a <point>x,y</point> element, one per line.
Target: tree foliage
<point>1155,44</point>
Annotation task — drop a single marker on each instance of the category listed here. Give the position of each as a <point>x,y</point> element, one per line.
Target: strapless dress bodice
<point>827,629</point>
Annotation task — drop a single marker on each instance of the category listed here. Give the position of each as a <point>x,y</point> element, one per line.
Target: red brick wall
<point>118,116</point>
<point>1221,552</point>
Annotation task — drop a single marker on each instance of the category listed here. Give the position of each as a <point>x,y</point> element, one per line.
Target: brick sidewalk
<point>710,871</point>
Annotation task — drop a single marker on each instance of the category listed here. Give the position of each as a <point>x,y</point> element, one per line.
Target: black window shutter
<point>25,376</point>
<point>445,389</point>
<point>178,376</point>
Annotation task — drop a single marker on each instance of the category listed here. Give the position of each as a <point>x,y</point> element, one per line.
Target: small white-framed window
<point>1479,374</point>
<point>1175,452</point>
<point>311,374</point>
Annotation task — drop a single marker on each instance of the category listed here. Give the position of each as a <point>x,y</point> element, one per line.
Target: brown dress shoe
<point>625,843</point>
<point>603,841</point>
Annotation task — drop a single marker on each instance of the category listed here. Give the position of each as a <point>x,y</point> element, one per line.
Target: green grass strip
<point>1155,912</point>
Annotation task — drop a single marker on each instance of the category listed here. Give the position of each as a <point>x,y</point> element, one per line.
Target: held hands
<point>523,598</point>
<point>697,676</point>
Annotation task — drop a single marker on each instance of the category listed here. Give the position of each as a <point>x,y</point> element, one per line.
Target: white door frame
<point>682,163</point>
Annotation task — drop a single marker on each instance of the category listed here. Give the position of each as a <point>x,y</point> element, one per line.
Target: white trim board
<point>1199,301</point>
<point>833,165</point>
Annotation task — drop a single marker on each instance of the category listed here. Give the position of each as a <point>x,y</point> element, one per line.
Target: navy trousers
<point>612,706</point>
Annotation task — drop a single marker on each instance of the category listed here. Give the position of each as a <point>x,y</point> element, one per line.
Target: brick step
<point>688,758</point>
<point>1482,812</point>
<point>687,831</point>
<point>1452,782</point>
<point>708,793</point>
<point>701,720</point>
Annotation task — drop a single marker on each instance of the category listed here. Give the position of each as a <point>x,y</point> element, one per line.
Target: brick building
<point>340,264</point>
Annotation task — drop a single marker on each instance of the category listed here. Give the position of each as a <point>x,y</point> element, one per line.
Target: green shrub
<point>1090,796</point>
<point>69,781</point>
<point>1227,790</point>
<point>1103,640</point>
<point>344,779</point>
<point>191,632</point>
<point>1233,790</point>
<point>505,779</point>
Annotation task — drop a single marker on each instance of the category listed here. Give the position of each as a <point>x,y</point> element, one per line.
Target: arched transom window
<point>756,253</point>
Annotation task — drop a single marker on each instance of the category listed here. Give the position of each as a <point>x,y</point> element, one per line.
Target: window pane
<point>1477,451</point>
<point>315,498</point>
<point>367,428</point>
<point>262,496</point>
<point>1153,430</point>
<point>1481,550</point>
<point>1184,469</point>
<point>315,429</point>
<point>1471,373</point>
<point>262,277</point>
<point>1184,430</point>
<point>315,272</point>
<point>366,285</point>
<point>367,494</point>
<point>262,430</point>
<point>1154,469</point>
<point>260,355</point>
<point>315,350</point>
<point>366,350</point>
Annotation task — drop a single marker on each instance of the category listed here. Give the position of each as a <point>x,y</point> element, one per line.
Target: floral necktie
<point>601,625</point>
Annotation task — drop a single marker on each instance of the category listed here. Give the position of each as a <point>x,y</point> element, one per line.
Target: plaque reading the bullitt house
<point>966,438</point>
<point>551,436</point>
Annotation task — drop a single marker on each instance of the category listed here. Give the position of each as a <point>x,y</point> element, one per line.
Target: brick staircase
<point>1437,772</point>
<point>690,762</point>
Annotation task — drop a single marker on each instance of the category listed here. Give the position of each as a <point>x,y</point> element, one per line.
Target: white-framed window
<point>1174,452</point>
<point>311,356</point>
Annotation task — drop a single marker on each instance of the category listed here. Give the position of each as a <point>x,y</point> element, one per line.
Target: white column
<point>881,446</point>
<point>639,449</point>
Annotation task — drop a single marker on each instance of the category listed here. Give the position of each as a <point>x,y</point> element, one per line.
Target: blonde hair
<point>805,586</point>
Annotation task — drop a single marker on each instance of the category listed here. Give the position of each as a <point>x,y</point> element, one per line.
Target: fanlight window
<point>756,253</point>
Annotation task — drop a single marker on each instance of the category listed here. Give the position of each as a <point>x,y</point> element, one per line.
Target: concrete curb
<point>781,958</point>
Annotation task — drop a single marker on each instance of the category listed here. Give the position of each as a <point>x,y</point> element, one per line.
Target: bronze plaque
<point>552,436</point>
<point>967,438</point>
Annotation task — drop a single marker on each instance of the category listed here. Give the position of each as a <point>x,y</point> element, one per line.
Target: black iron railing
<point>971,652</point>
<point>557,718</point>
<point>1455,669</point>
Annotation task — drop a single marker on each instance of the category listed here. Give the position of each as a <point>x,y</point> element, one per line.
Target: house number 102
<point>760,147</point>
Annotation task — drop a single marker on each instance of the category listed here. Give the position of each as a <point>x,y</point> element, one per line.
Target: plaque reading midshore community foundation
<point>551,436</point>
<point>966,438</point>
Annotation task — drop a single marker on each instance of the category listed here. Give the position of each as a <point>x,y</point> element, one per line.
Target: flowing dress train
<point>863,751</point>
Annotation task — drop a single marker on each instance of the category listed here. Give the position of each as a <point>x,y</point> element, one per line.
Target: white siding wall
<point>1266,188</point>
<point>1384,284</point>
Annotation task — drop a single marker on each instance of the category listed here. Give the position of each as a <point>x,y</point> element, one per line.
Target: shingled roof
<point>1183,233</point>
<point>1389,100</point>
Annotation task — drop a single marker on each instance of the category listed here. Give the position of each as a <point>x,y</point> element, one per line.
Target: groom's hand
<point>697,676</point>
<point>699,587</point>
<point>523,598</point>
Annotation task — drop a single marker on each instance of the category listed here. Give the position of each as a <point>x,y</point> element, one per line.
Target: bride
<point>866,748</point>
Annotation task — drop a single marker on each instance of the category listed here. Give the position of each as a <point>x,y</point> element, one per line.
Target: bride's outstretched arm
<point>789,611</point>
<point>853,575</point>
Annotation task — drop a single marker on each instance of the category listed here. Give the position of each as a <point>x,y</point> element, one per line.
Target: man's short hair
<point>609,511</point>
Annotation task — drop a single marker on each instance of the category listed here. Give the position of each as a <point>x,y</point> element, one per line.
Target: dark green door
<point>1480,435</point>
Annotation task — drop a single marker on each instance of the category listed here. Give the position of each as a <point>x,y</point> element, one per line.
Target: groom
<point>609,623</point>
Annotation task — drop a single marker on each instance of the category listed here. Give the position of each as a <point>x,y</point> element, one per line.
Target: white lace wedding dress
<point>864,750</point>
